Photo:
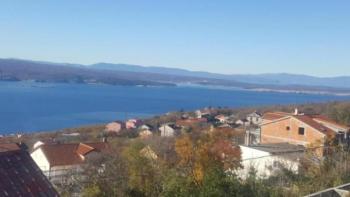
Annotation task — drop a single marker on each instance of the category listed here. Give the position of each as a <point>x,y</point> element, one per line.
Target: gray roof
<point>278,148</point>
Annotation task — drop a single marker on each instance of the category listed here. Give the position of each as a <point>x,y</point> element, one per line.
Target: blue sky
<point>262,36</point>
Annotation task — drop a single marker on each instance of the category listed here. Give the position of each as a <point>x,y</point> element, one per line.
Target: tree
<point>143,172</point>
<point>200,157</point>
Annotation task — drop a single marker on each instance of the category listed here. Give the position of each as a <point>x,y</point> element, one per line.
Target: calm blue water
<point>28,107</point>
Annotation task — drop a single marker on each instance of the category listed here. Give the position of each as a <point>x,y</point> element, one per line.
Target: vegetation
<point>199,162</point>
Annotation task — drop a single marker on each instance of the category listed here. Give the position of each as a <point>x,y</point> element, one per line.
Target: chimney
<point>296,112</point>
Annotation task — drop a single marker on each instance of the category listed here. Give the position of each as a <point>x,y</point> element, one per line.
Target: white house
<point>57,160</point>
<point>221,118</point>
<point>37,144</point>
<point>242,122</point>
<point>167,130</point>
<point>254,118</point>
<point>145,127</point>
<point>268,159</point>
<point>145,131</point>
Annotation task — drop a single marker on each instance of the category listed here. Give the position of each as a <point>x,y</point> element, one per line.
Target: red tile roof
<point>275,115</point>
<point>220,116</point>
<point>328,120</point>
<point>84,149</point>
<point>9,147</point>
<point>309,121</point>
<point>20,176</point>
<point>69,154</point>
<point>314,121</point>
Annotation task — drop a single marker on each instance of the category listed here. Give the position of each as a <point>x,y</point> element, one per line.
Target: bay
<point>30,106</point>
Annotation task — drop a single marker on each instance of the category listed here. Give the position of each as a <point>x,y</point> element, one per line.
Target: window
<point>288,128</point>
<point>301,131</point>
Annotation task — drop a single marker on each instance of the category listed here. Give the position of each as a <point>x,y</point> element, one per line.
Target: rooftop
<point>277,148</point>
<point>275,115</point>
<point>9,147</point>
<point>20,176</point>
<point>70,154</point>
<point>318,122</point>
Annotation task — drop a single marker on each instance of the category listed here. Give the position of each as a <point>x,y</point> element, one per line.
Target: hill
<point>124,74</point>
<point>261,79</point>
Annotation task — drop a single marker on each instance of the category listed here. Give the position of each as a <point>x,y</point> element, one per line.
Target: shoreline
<point>194,85</point>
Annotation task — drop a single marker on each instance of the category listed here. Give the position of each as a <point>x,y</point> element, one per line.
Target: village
<point>264,142</point>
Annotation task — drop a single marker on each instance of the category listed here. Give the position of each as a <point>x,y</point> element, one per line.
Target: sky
<point>230,37</point>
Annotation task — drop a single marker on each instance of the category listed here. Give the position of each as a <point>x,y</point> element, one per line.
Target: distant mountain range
<point>125,74</point>
<point>266,79</point>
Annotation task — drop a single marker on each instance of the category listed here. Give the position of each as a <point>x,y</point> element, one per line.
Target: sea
<point>32,106</point>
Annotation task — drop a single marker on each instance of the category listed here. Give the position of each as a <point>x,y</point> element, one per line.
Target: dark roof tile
<point>20,176</point>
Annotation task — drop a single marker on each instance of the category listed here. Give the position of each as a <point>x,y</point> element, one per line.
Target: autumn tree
<point>143,172</point>
<point>201,158</point>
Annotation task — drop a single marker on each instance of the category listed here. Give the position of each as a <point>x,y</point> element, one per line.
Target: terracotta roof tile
<point>83,149</point>
<point>315,121</point>
<point>9,147</point>
<point>275,115</point>
<point>322,118</point>
<point>309,121</point>
<point>69,154</point>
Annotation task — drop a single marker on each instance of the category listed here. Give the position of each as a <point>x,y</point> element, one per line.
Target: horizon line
<point>165,67</point>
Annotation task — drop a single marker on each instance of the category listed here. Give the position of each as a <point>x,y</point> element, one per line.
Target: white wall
<point>40,159</point>
<point>263,163</point>
<point>166,131</point>
<point>37,144</point>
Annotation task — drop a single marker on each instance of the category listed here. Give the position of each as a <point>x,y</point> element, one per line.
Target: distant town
<point>274,150</point>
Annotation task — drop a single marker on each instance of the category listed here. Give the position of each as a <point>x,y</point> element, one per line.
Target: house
<point>168,130</point>
<point>231,119</point>
<point>145,127</point>
<point>132,123</point>
<point>221,118</point>
<point>252,136</point>
<point>268,159</point>
<point>114,127</point>
<point>254,118</point>
<point>57,160</point>
<point>42,142</point>
<point>242,122</point>
<point>20,176</point>
<point>205,113</point>
<point>270,116</point>
<point>145,131</point>
<point>301,129</point>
